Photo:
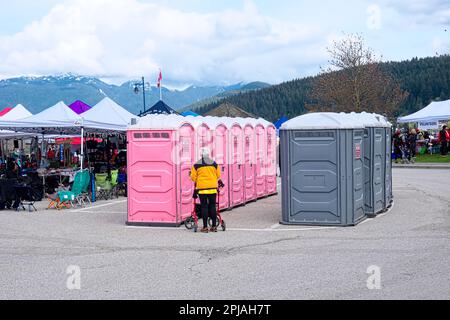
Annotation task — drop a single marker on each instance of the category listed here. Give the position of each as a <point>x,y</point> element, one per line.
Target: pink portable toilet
<point>220,155</point>
<point>161,150</point>
<point>249,162</point>
<point>271,163</point>
<point>236,165</point>
<point>261,155</point>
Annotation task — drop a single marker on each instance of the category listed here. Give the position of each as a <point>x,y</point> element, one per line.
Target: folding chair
<point>103,186</point>
<point>76,196</point>
<point>115,183</point>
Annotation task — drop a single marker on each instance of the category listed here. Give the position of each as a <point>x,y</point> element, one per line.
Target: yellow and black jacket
<point>206,173</point>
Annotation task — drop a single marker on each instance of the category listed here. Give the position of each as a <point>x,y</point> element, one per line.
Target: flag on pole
<point>160,79</point>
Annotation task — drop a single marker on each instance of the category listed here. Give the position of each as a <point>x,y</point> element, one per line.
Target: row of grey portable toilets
<point>336,168</point>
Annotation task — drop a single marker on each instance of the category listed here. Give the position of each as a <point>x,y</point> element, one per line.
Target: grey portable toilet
<point>374,162</point>
<point>322,170</point>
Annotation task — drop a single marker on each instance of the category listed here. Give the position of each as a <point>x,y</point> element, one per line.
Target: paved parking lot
<point>255,259</point>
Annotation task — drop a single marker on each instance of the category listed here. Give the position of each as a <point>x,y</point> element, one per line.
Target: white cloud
<point>432,12</point>
<point>441,45</point>
<point>374,17</point>
<point>128,38</point>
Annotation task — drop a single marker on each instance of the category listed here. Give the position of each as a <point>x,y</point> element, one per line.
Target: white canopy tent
<point>436,111</point>
<point>58,119</point>
<point>17,113</point>
<point>107,116</point>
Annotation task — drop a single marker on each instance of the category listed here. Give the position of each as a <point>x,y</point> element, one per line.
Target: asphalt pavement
<point>92,254</point>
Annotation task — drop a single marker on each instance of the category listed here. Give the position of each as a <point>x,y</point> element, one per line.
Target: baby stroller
<point>192,222</point>
<point>406,154</point>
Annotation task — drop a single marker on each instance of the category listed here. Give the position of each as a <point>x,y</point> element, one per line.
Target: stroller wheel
<point>224,226</point>
<point>195,228</point>
<point>211,224</point>
<point>189,223</point>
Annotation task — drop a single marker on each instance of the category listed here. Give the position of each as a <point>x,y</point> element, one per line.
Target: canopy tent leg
<point>42,161</point>
<point>82,149</point>
<point>3,151</point>
<point>21,153</point>
<point>42,151</point>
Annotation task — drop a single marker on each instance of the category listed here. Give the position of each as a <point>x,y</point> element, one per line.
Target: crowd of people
<point>405,143</point>
<point>444,139</point>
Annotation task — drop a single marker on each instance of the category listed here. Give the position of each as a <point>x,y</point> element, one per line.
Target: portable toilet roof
<point>384,121</point>
<point>158,122</point>
<point>369,120</point>
<point>320,121</point>
<point>243,122</point>
<point>216,121</point>
<point>266,123</point>
<point>230,122</point>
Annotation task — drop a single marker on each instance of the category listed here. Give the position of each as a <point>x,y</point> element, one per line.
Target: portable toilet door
<point>185,159</point>
<point>249,163</point>
<point>374,165</point>
<point>261,155</point>
<point>204,139</point>
<point>152,198</point>
<point>220,155</point>
<point>236,166</point>
<point>374,162</point>
<point>388,166</point>
<point>271,163</point>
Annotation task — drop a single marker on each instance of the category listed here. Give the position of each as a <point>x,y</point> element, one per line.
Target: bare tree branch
<point>354,81</point>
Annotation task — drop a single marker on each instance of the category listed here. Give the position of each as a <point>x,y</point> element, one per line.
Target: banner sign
<point>428,125</point>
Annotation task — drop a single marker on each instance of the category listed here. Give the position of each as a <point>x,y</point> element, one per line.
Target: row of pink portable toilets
<point>162,150</point>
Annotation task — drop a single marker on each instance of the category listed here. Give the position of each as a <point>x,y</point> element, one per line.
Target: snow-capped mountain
<point>39,93</point>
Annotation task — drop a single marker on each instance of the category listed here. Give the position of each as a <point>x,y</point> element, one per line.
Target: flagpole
<point>160,85</point>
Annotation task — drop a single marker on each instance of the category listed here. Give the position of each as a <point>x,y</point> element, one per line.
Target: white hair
<point>205,152</point>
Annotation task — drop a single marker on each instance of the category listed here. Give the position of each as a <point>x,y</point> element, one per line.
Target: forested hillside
<point>425,80</point>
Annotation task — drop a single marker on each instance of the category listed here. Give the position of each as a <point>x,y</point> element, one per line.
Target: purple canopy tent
<point>79,107</point>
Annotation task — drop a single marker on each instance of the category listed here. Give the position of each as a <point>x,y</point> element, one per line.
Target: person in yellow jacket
<point>206,174</point>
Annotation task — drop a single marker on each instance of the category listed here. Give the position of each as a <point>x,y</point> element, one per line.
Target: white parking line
<point>238,229</point>
<point>156,228</point>
<point>282,230</point>
<point>106,212</point>
<point>99,206</point>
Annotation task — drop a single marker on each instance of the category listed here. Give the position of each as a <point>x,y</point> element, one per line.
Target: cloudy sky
<point>208,41</point>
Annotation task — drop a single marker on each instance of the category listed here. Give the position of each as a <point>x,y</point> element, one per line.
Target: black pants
<point>412,149</point>
<point>444,149</point>
<point>208,204</point>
